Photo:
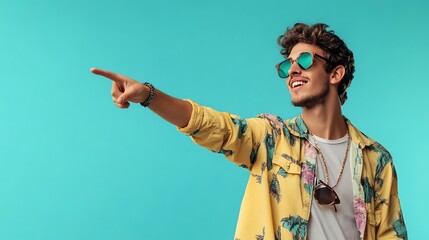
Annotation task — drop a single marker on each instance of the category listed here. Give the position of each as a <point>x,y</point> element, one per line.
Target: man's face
<point>308,87</point>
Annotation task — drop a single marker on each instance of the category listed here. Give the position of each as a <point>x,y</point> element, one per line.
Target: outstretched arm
<point>126,90</point>
<point>241,140</point>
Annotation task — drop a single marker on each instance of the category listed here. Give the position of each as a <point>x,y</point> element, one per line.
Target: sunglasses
<point>305,61</point>
<point>325,195</point>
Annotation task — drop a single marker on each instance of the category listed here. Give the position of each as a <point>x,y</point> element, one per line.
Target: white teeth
<point>297,83</point>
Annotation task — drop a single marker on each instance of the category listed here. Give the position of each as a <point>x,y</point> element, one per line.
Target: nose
<point>294,69</point>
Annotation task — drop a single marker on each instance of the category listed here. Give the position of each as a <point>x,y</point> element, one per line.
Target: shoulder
<point>275,121</point>
<point>376,155</point>
<point>291,127</point>
<point>379,149</point>
<point>373,147</point>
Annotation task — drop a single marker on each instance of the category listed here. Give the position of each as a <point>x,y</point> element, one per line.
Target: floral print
<point>242,126</point>
<point>399,226</point>
<point>296,225</point>
<point>269,144</point>
<point>275,188</point>
<point>360,214</point>
<point>282,164</point>
<point>275,121</point>
<point>368,189</point>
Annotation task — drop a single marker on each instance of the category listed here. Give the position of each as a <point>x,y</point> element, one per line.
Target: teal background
<point>73,166</point>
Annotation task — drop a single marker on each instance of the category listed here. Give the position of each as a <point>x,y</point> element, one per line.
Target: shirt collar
<point>297,127</point>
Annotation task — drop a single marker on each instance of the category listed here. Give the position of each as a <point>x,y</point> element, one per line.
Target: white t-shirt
<point>324,222</point>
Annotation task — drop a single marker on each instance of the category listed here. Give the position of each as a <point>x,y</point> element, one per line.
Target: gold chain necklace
<point>319,151</point>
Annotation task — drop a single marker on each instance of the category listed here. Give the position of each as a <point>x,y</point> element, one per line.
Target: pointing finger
<point>108,74</point>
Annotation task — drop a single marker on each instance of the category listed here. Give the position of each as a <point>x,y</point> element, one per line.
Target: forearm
<point>126,90</point>
<point>174,110</point>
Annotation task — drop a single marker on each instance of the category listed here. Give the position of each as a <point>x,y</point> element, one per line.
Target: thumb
<point>123,98</point>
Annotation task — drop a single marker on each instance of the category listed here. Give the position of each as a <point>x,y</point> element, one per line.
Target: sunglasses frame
<point>291,61</point>
<point>334,201</point>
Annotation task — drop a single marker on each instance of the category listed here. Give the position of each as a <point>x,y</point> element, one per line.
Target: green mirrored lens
<point>305,60</point>
<point>284,69</point>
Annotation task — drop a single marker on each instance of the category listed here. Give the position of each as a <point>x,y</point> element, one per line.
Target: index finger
<point>108,74</point>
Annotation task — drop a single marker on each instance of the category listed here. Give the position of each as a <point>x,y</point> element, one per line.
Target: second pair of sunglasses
<point>325,195</point>
<point>305,61</point>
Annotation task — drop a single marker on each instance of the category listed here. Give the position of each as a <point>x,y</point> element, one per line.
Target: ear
<point>337,74</point>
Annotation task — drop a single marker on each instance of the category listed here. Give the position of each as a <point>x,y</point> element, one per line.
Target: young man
<point>315,176</point>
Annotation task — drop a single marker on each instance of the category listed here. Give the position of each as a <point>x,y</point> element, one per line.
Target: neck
<point>325,120</point>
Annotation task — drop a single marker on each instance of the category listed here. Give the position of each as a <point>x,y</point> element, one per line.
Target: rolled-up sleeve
<point>238,139</point>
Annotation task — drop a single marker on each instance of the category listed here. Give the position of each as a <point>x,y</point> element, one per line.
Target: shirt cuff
<point>195,121</point>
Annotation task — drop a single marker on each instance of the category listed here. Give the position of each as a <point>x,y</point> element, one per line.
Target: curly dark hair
<point>336,50</point>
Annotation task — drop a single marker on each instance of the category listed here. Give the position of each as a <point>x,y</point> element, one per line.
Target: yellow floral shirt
<point>281,161</point>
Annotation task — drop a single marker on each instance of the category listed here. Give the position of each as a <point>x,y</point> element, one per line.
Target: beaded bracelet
<point>151,94</point>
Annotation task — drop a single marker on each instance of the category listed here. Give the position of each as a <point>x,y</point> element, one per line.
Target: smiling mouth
<point>298,84</point>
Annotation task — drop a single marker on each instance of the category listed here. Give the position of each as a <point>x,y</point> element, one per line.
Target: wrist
<point>150,96</point>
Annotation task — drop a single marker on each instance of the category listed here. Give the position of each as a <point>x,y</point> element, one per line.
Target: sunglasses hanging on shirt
<point>325,195</point>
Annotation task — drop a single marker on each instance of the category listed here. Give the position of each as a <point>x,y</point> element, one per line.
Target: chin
<point>309,102</point>
<point>312,100</point>
<point>300,101</point>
